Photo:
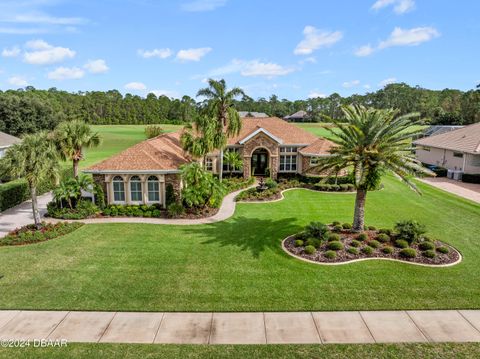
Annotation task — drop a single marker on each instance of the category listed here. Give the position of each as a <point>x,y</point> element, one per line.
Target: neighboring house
<point>457,150</point>
<point>439,129</point>
<point>6,141</point>
<point>268,146</point>
<point>299,116</point>
<point>252,114</point>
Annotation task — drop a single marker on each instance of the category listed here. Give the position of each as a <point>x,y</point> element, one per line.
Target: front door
<point>259,162</point>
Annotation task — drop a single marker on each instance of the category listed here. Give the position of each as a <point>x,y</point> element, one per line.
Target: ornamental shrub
<point>298,243</point>
<point>429,253</point>
<point>175,210</point>
<point>362,237</point>
<point>152,131</point>
<point>443,250</point>
<point>355,243</point>
<point>302,235</point>
<point>401,243</point>
<point>335,246</point>
<point>383,238</point>
<point>337,228</point>
<point>373,243</point>
<point>352,250</point>
<point>270,183</point>
<point>387,250</point>
<point>409,230</point>
<point>316,229</point>
<point>336,223</point>
<point>372,228</point>
<point>315,242</point>
<point>310,249</point>
<point>408,253</point>
<point>330,254</point>
<point>386,231</point>
<point>425,246</point>
<point>347,226</point>
<point>333,237</point>
<point>367,250</point>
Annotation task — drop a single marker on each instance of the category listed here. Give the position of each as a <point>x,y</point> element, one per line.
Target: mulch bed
<point>347,236</point>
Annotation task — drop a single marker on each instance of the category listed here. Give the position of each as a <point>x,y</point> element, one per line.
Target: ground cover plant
<point>31,234</point>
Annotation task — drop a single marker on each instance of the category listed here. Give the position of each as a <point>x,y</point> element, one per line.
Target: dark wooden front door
<point>259,162</point>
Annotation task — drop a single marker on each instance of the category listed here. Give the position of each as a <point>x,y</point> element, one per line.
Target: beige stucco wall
<point>445,158</point>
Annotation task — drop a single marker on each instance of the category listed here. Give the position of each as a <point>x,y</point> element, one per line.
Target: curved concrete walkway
<point>243,328</point>
<point>469,191</point>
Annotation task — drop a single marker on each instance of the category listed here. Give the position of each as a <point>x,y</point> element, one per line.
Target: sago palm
<point>35,159</point>
<point>71,137</point>
<point>370,143</point>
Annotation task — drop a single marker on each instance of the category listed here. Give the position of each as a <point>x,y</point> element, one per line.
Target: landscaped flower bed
<point>337,243</point>
<point>30,234</point>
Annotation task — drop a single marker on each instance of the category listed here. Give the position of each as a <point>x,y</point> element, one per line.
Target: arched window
<point>135,189</point>
<point>118,189</point>
<point>153,189</point>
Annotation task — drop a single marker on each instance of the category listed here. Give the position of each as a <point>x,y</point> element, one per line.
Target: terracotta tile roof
<point>320,147</point>
<point>466,139</point>
<point>162,153</point>
<point>287,132</point>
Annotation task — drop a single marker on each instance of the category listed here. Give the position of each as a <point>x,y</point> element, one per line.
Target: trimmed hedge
<point>470,178</point>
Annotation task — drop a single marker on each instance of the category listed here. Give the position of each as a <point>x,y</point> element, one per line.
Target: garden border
<point>460,258</point>
<point>289,189</point>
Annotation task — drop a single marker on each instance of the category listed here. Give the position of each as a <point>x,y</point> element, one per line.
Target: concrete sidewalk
<point>243,328</point>
<point>469,191</point>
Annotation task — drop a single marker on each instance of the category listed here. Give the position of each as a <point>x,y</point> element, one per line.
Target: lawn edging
<point>282,197</point>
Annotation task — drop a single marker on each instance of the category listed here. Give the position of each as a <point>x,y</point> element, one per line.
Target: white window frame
<point>122,182</point>
<point>209,164</point>
<point>288,164</point>
<point>132,181</point>
<point>157,182</point>
<point>314,161</point>
<point>288,149</point>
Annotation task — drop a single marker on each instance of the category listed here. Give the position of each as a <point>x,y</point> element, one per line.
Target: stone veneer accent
<point>175,180</point>
<point>100,179</point>
<point>261,141</point>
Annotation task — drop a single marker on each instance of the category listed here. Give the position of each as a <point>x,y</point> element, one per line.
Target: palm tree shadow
<point>248,234</point>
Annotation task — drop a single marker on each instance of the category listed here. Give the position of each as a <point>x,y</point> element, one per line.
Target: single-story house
<point>457,150</point>
<point>252,114</point>
<point>268,146</point>
<point>299,116</point>
<point>6,141</point>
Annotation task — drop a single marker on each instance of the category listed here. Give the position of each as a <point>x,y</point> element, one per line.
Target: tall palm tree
<point>71,137</point>
<point>36,160</point>
<point>220,106</point>
<point>371,142</point>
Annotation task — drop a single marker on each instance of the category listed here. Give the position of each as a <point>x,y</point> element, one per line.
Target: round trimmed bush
<point>355,243</point>
<point>302,235</point>
<point>408,253</point>
<point>367,250</point>
<point>337,228</point>
<point>335,246</point>
<point>315,242</point>
<point>310,249</point>
<point>362,237</point>
<point>386,231</point>
<point>429,253</point>
<point>336,223</point>
<point>330,254</point>
<point>426,246</point>
<point>372,228</point>
<point>373,243</point>
<point>298,243</point>
<point>387,250</point>
<point>443,250</point>
<point>346,226</point>
<point>383,238</point>
<point>334,237</point>
<point>352,250</point>
<point>401,243</point>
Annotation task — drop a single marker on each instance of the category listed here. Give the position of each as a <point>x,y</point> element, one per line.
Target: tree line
<point>30,110</point>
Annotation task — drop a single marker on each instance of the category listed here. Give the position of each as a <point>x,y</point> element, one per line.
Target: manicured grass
<point>238,265</point>
<point>404,351</point>
<point>116,138</point>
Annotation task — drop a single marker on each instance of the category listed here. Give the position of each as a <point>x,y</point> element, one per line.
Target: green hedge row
<point>471,178</point>
<point>16,192</point>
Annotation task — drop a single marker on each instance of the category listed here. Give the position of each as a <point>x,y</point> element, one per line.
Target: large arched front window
<point>118,189</point>
<point>153,189</point>
<point>135,189</point>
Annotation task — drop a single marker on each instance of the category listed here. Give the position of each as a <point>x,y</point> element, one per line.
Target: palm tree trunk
<point>75,168</point>
<point>36,213</point>
<point>220,172</point>
<point>359,215</point>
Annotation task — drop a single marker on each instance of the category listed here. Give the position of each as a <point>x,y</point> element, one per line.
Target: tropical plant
<point>70,190</point>
<point>201,188</point>
<point>71,137</point>
<point>35,159</point>
<point>152,131</point>
<point>233,160</point>
<point>371,142</point>
<point>220,106</point>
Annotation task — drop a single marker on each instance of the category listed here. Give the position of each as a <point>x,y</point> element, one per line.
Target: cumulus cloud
<point>349,84</point>
<point>18,81</point>
<point>167,93</point>
<point>252,68</point>
<point>42,53</point>
<point>11,52</point>
<point>136,86</point>
<point>364,51</point>
<point>66,73</point>
<point>315,39</point>
<point>316,94</point>
<point>409,37</point>
<point>193,54</point>
<point>160,53</point>
<point>399,6</point>
<point>203,5</point>
<point>96,66</point>
<point>387,81</point>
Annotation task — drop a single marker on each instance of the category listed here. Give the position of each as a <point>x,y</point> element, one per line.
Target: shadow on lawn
<point>253,234</point>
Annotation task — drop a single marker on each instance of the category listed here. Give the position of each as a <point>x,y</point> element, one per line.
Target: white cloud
<point>203,5</point>
<point>388,81</point>
<point>66,73</point>
<point>44,54</point>
<point>137,86</point>
<point>409,37</point>
<point>349,84</point>
<point>315,94</point>
<point>193,54</point>
<point>367,87</point>
<point>252,68</point>
<point>399,6</point>
<point>160,53</point>
<point>96,66</point>
<point>11,52</point>
<point>21,31</point>
<point>167,93</point>
<point>315,39</point>
<point>18,81</point>
<point>364,51</point>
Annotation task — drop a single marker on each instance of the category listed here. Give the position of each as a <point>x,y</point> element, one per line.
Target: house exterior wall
<point>100,180</point>
<point>469,163</point>
<point>472,164</point>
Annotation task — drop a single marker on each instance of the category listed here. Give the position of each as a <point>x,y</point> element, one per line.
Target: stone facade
<point>261,141</point>
<point>100,180</point>
<point>176,182</point>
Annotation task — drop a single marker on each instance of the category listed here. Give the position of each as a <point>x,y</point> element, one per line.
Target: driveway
<point>21,215</point>
<point>469,191</point>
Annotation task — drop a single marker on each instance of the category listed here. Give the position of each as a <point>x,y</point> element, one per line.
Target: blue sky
<point>294,49</point>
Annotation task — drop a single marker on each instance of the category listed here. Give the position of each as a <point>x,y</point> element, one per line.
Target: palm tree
<point>233,160</point>
<point>220,106</point>
<point>35,159</point>
<point>71,137</point>
<point>371,142</point>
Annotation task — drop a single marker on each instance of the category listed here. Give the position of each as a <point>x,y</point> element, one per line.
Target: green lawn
<point>238,265</point>
<point>404,351</point>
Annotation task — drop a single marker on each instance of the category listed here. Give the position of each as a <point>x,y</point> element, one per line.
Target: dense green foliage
<point>201,188</point>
